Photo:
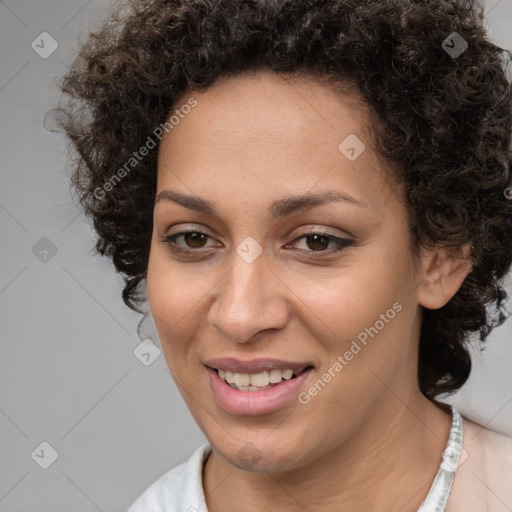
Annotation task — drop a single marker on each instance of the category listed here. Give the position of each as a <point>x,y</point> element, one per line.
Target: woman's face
<point>299,256</point>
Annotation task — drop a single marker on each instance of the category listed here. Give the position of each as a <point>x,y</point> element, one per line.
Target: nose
<point>250,299</point>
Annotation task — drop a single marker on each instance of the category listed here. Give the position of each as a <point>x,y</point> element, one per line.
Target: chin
<point>263,452</point>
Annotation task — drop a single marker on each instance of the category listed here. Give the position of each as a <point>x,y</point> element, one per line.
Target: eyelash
<point>341,243</point>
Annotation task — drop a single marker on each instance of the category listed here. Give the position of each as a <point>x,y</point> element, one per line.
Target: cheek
<point>176,295</point>
<point>342,304</point>
<point>364,316</point>
<point>166,293</point>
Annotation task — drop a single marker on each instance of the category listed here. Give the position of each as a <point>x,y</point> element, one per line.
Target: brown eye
<point>195,239</point>
<point>317,242</point>
<point>191,240</point>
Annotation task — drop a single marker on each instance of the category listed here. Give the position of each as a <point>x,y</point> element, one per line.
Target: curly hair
<point>444,125</point>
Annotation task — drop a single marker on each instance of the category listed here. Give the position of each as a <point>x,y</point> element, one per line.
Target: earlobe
<point>443,272</point>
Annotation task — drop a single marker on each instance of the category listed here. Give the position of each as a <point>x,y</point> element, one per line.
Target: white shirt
<point>482,483</point>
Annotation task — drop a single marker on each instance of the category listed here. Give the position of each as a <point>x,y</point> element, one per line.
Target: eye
<point>318,242</point>
<point>193,239</point>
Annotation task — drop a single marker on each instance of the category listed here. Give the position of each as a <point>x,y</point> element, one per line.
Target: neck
<point>390,461</point>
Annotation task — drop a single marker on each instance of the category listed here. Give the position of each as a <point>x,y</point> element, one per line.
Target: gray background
<point>68,373</point>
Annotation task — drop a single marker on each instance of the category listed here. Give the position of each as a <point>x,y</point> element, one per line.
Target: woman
<point>316,197</point>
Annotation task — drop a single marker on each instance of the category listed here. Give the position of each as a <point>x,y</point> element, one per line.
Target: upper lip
<point>254,365</point>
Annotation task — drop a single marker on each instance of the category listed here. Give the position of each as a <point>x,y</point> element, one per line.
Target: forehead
<point>264,107</point>
<point>265,130</point>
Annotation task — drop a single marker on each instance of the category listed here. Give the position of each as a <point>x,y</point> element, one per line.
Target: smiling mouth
<point>259,381</point>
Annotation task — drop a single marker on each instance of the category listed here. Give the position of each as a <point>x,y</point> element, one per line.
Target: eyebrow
<point>280,208</point>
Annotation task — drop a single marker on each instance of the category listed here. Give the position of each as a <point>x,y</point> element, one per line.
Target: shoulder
<point>488,445</point>
<point>483,480</point>
<point>178,490</point>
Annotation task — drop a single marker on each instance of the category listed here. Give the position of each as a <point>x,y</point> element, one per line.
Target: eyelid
<point>312,229</point>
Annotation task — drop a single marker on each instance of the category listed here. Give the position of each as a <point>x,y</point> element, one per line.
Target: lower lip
<point>253,403</point>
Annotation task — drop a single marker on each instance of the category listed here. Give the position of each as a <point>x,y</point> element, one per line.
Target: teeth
<point>242,379</point>
<point>250,381</point>
<point>287,374</point>
<point>259,379</point>
<point>275,376</point>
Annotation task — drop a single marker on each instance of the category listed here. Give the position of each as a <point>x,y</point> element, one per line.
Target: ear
<point>443,270</point>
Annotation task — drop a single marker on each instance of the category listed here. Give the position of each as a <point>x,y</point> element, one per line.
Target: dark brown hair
<point>444,125</point>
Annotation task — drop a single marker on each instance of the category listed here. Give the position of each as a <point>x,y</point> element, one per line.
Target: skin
<point>369,440</point>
